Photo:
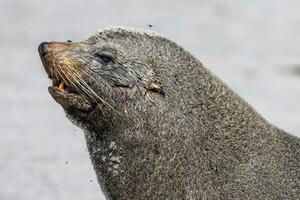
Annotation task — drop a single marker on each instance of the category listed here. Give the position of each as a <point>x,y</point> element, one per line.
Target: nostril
<point>43,48</point>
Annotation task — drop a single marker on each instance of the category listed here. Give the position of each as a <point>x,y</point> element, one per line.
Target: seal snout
<point>43,48</point>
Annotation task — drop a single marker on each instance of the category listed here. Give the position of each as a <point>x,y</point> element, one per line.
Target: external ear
<point>156,87</point>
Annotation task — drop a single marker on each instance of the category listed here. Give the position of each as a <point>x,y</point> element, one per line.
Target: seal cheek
<point>126,93</point>
<point>70,100</point>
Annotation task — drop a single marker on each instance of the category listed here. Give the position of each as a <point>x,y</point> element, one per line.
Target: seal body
<point>159,125</point>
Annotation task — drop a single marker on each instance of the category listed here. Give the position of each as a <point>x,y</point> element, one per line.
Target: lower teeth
<point>62,86</point>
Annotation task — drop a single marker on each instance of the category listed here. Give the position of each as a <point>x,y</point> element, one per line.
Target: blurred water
<point>251,45</point>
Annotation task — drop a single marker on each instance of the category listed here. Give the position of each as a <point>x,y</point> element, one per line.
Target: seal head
<point>97,72</point>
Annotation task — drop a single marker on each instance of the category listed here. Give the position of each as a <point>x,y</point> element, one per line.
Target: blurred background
<point>253,46</point>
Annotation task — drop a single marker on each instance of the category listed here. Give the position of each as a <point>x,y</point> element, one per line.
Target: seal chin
<point>70,100</point>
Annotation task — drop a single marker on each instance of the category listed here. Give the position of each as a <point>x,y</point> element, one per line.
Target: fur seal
<point>159,125</point>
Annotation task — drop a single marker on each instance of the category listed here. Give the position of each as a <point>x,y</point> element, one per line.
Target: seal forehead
<point>119,32</point>
<point>131,30</point>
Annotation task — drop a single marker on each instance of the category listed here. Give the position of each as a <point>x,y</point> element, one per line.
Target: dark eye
<point>104,58</point>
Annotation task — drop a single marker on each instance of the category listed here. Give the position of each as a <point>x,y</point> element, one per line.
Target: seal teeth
<point>62,86</point>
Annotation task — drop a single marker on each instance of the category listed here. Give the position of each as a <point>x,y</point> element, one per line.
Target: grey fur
<point>199,141</point>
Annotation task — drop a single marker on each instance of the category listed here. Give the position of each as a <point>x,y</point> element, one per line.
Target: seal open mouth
<point>58,83</point>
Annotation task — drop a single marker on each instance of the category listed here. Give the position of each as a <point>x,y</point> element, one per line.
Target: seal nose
<point>43,48</point>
